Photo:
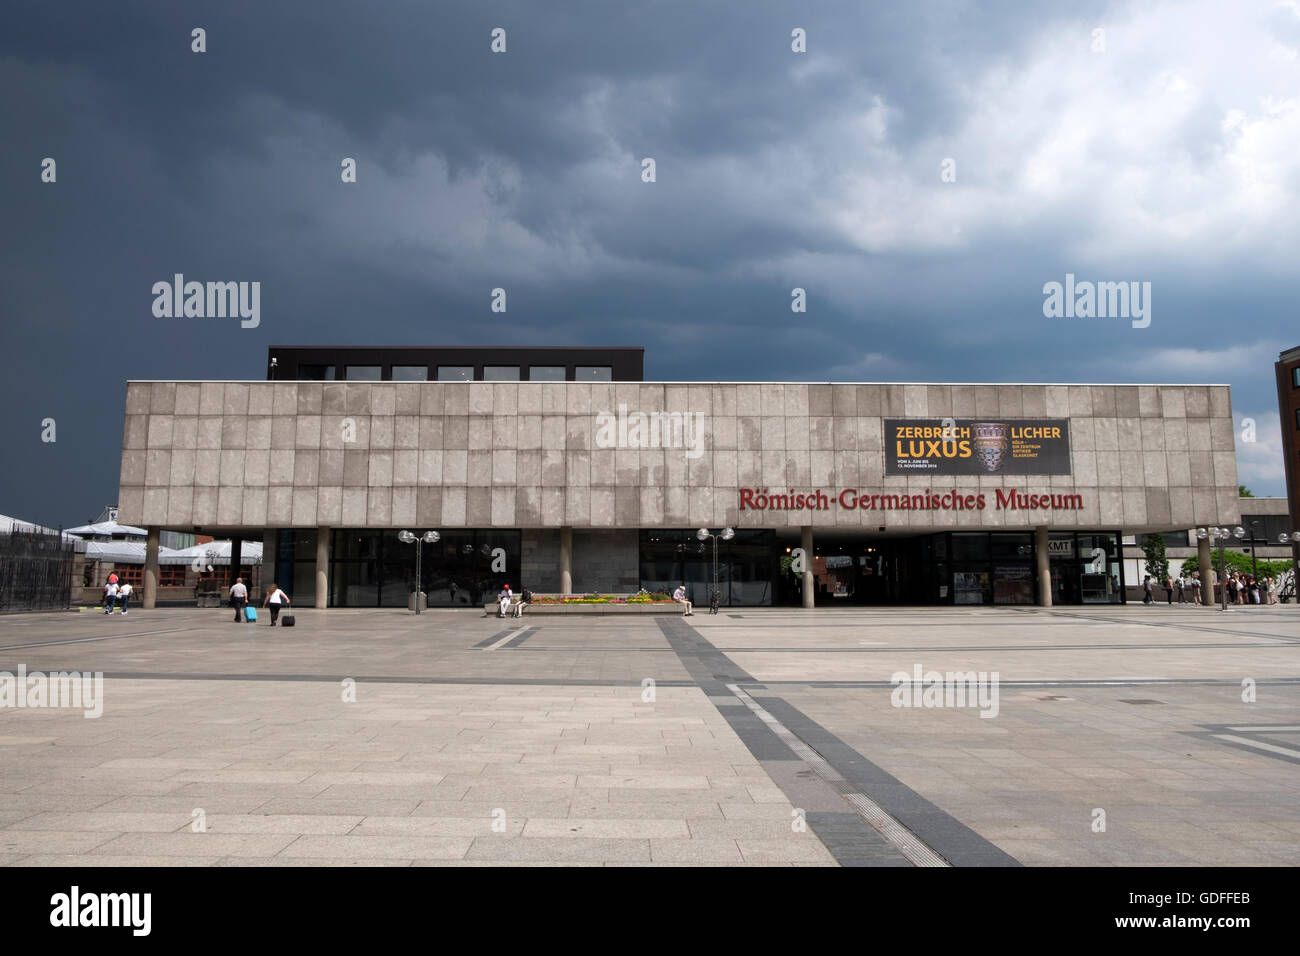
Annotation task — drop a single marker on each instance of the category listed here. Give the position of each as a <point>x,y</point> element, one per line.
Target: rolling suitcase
<point>286,620</point>
<point>250,614</point>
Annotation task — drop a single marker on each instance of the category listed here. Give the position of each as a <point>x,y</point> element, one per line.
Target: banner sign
<point>964,446</point>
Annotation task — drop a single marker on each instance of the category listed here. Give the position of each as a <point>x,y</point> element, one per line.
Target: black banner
<point>977,446</point>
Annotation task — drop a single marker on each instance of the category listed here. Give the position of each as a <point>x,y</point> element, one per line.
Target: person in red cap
<point>503,602</point>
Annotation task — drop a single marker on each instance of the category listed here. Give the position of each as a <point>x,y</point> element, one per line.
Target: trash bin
<point>410,601</point>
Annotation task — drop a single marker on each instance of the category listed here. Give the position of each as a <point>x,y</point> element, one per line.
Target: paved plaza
<point>1118,736</point>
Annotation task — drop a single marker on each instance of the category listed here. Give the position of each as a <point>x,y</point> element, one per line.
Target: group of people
<point>274,602</point>
<point>1247,589</point>
<point>508,606</point>
<point>116,595</point>
<point>1242,588</point>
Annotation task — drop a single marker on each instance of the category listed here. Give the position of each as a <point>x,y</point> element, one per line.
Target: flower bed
<point>641,597</point>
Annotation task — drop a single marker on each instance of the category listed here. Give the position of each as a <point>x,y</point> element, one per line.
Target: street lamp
<point>1292,538</point>
<point>1222,535</point>
<point>429,537</point>
<point>726,534</point>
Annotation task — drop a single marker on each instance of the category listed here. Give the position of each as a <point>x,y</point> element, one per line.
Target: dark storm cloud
<point>774,171</point>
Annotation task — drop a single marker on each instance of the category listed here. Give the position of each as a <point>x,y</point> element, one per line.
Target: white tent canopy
<point>214,553</point>
<point>107,528</point>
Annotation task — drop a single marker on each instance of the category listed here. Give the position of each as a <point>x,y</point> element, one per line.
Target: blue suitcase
<point>250,614</point>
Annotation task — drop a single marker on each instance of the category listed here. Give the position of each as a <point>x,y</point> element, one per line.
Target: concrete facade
<point>240,455</point>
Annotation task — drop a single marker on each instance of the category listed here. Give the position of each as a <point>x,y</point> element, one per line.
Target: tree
<point>1157,564</point>
<point>1236,561</point>
<point>1244,492</point>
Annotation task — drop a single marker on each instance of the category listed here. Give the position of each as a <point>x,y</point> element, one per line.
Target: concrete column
<point>1204,556</point>
<point>806,542</point>
<point>566,560</point>
<point>1044,567</point>
<point>150,568</point>
<point>236,559</point>
<point>322,567</point>
<point>269,538</point>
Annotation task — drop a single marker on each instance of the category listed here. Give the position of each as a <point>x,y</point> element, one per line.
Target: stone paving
<point>477,741</point>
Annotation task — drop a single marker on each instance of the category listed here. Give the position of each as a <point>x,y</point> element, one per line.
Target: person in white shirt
<point>680,597</point>
<point>275,599</point>
<point>110,597</point>
<point>239,598</point>
<point>503,602</point>
<point>124,596</point>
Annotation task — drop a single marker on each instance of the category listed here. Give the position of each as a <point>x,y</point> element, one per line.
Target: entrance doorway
<point>855,570</point>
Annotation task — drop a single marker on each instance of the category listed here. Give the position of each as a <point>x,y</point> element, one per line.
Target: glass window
<point>455,373</point>
<point>968,547</point>
<point>546,373</point>
<point>593,373</point>
<point>362,373</point>
<point>1295,377</point>
<point>1013,546</point>
<point>500,373</point>
<point>410,373</point>
<point>316,373</point>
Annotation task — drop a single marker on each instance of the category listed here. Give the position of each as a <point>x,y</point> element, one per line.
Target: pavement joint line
<point>1179,625</point>
<point>890,649</point>
<point>496,638</point>
<point>88,640</point>
<point>1289,752</point>
<point>1171,681</point>
<point>903,839</point>
<point>519,638</point>
<point>403,679</point>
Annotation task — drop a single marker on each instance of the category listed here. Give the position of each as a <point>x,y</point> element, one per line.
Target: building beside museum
<point>561,470</point>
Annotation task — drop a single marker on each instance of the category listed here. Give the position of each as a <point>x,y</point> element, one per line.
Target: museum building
<point>560,469</point>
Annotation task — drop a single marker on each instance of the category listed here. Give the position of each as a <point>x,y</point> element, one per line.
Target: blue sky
<point>1162,150</point>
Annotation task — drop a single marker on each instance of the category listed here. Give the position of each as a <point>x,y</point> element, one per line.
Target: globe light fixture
<point>429,537</point>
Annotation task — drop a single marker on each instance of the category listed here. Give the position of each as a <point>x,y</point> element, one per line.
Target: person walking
<point>275,600</point>
<point>124,596</point>
<point>110,596</point>
<point>1147,597</point>
<point>1169,589</point>
<point>680,597</point>
<point>1196,587</point>
<point>1181,586</point>
<point>239,598</point>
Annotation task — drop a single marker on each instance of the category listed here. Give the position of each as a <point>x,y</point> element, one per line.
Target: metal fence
<point>35,571</point>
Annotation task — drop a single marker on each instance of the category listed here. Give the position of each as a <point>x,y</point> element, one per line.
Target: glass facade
<point>546,373</point>
<point>747,566</point>
<point>455,373</point>
<point>371,568</point>
<point>295,565</point>
<point>593,373</point>
<point>466,568</point>
<point>500,373</point>
<point>410,373</point>
<point>363,373</point>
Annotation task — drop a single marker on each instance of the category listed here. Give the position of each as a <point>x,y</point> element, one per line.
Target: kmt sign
<point>852,499</point>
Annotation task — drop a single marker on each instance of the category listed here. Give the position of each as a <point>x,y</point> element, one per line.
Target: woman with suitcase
<point>275,599</point>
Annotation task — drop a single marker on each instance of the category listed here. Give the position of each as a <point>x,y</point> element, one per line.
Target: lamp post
<point>1223,535</point>
<point>1292,538</point>
<point>726,534</point>
<point>429,537</point>
<point>1254,551</point>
